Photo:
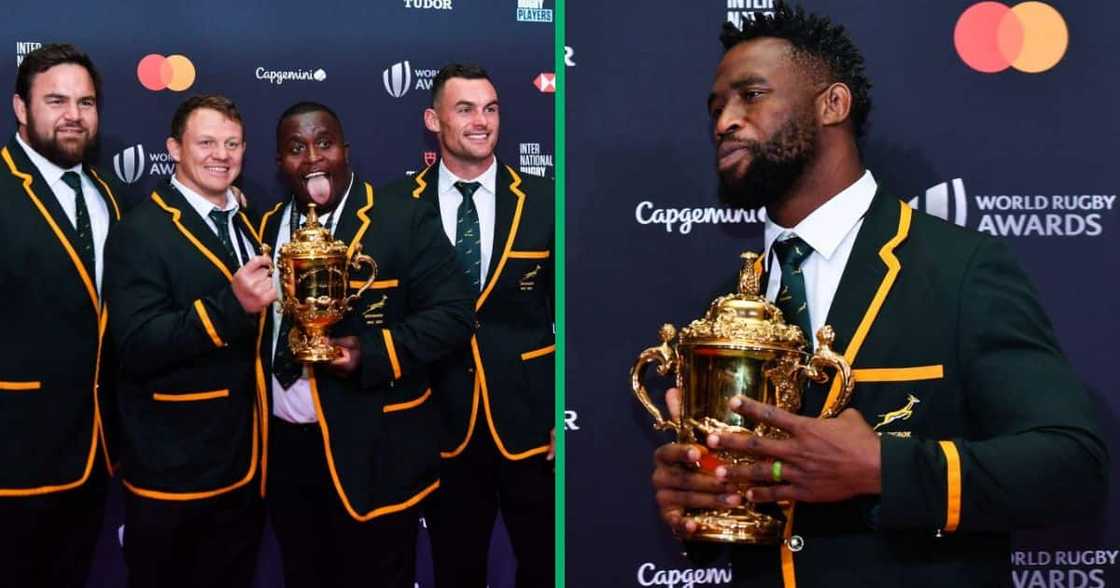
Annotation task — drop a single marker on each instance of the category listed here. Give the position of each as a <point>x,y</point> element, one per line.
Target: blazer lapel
<point>36,188</point>
<point>355,218</point>
<point>507,215</point>
<point>868,278</point>
<point>106,194</point>
<point>194,229</point>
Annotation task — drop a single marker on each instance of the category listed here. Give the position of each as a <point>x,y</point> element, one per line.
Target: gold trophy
<point>314,275</point>
<point>742,346</point>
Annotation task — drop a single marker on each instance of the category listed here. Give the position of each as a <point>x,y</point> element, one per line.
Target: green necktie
<point>82,224</point>
<point>792,299</point>
<point>468,238</point>
<point>221,221</point>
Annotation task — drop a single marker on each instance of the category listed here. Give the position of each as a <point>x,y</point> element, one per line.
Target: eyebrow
<point>738,85</point>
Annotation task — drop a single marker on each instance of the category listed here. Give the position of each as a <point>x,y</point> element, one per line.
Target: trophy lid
<point>313,239</point>
<point>744,319</point>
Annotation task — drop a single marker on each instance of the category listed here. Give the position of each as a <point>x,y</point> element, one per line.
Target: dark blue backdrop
<point>242,49</point>
<point>639,152</point>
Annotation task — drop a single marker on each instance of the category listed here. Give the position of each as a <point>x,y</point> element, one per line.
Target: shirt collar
<point>50,171</point>
<point>825,228</point>
<point>201,205</point>
<point>487,179</point>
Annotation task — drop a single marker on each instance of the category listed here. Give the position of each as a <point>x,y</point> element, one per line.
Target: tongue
<point>319,188</point>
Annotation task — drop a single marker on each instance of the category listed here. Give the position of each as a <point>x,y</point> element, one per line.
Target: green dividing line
<point>560,279</point>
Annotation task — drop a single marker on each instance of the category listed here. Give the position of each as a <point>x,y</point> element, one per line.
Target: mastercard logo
<point>1031,37</point>
<point>156,72</point>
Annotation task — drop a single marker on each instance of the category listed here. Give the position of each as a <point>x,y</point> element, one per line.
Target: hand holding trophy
<point>742,346</point>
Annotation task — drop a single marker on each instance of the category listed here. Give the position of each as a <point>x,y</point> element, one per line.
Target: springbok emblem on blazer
<point>375,313</point>
<point>901,414</point>
<point>529,279</point>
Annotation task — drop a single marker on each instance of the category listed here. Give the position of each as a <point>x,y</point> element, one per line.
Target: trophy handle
<point>356,263</point>
<point>665,356</point>
<point>824,358</point>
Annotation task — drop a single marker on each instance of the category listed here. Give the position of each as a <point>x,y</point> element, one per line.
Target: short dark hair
<point>305,107</point>
<point>467,71</point>
<point>212,101</point>
<point>827,44</point>
<point>48,56</point>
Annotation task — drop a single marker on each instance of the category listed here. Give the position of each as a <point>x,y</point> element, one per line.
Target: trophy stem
<point>316,346</point>
<point>742,525</point>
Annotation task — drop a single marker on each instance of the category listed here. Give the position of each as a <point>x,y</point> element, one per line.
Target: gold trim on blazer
<point>543,351</point>
<point>192,397</point>
<point>361,214</point>
<point>264,220</point>
<point>529,254</point>
<point>407,405</point>
<point>112,199</point>
<point>489,417</point>
<point>21,386</point>
<point>383,510</point>
<point>206,324</point>
<point>907,374</point>
<point>509,240</point>
<point>176,215</point>
<point>378,285</point>
<point>953,485</point>
<point>470,422</point>
<point>391,351</point>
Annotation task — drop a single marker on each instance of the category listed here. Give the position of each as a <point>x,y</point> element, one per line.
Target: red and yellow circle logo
<point>156,72</point>
<point>1031,37</point>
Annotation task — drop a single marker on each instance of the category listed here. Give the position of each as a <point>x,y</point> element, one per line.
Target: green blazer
<point>985,428</point>
<point>379,430</point>
<point>191,385</point>
<point>50,421</point>
<point>506,374</point>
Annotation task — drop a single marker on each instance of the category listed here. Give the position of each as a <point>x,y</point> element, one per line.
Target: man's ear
<point>20,108</point>
<point>174,149</point>
<point>431,120</point>
<point>834,105</point>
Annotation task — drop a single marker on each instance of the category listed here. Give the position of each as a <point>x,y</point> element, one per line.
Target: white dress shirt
<point>295,404</point>
<point>485,199</point>
<point>831,231</point>
<point>203,206</point>
<point>96,205</point>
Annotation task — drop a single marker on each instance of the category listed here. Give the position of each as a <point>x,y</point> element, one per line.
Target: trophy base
<point>317,355</point>
<point>737,526</point>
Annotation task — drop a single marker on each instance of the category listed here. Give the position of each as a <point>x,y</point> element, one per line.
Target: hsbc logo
<point>397,79</point>
<point>546,83</point>
<point>937,202</point>
<point>429,157</point>
<point>129,164</point>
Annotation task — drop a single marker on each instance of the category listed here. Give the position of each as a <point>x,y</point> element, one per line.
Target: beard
<point>64,155</point>
<point>775,166</point>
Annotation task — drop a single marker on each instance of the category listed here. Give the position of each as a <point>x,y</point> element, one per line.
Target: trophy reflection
<point>314,276</point>
<point>742,346</point>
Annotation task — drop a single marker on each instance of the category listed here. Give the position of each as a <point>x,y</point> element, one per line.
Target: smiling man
<point>496,394</point>
<point>57,212</point>
<point>354,444</point>
<point>186,286</point>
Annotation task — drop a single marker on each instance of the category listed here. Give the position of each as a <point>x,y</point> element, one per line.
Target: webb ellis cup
<point>742,346</point>
<point>314,275</point>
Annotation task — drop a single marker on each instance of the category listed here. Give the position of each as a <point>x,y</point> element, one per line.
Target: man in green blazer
<point>495,394</point>
<point>354,443</point>
<point>967,421</point>
<point>185,285</point>
<point>58,210</point>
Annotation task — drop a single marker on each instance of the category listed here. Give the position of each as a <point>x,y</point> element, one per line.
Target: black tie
<point>468,240</point>
<point>82,225</point>
<point>221,222</point>
<point>284,365</point>
<point>792,299</point>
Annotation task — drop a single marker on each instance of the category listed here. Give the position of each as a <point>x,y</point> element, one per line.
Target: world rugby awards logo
<point>936,202</point>
<point>129,164</point>
<point>397,79</point>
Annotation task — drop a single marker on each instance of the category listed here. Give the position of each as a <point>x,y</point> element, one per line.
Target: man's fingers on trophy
<point>775,493</point>
<point>765,413</point>
<point>686,499</point>
<point>677,453</point>
<point>673,402</point>
<point>752,444</point>
<point>677,477</point>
